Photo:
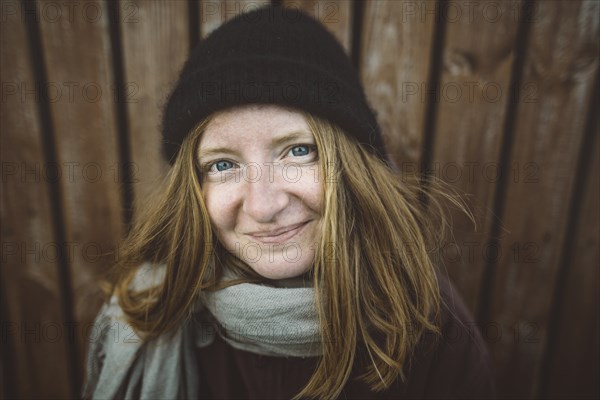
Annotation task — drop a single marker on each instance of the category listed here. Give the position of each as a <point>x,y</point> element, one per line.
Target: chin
<point>282,268</point>
<point>279,272</point>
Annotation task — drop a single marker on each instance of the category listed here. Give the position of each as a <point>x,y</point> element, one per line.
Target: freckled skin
<point>256,186</point>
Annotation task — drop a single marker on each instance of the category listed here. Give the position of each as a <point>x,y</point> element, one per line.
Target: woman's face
<point>260,180</point>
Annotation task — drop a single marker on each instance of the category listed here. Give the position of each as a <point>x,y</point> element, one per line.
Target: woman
<point>282,257</point>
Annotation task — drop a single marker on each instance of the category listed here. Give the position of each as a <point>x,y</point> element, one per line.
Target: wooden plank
<point>335,15</point>
<point>560,63</point>
<point>396,56</point>
<point>214,13</point>
<point>155,45</point>
<point>3,386</point>
<point>575,368</point>
<point>30,279</point>
<point>79,65</point>
<point>474,92</point>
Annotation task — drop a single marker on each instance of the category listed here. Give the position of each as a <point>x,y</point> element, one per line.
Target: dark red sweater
<point>458,366</point>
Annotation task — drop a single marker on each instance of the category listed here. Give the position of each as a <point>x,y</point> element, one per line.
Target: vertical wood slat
<point>335,15</point>
<point>574,367</point>
<point>214,13</point>
<point>474,93</point>
<point>78,60</point>
<point>155,42</point>
<point>35,326</point>
<point>4,392</point>
<point>560,64</point>
<point>397,42</point>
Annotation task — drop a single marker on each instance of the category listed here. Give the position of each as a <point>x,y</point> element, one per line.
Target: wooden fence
<point>499,98</point>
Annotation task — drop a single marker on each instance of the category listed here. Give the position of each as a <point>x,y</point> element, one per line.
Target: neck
<point>302,281</point>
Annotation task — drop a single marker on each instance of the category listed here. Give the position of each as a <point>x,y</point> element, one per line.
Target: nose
<point>264,195</point>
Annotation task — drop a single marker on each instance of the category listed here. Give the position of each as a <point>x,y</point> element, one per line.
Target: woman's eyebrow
<point>209,151</point>
<point>290,137</point>
<point>275,143</point>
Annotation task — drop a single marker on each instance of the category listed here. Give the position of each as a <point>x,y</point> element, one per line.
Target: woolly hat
<point>272,55</point>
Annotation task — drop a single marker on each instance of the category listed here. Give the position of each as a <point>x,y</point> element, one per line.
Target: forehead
<point>252,122</point>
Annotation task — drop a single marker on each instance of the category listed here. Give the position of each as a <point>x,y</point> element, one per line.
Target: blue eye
<point>301,150</point>
<point>222,165</point>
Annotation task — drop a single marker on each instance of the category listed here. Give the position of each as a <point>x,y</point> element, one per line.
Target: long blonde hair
<point>374,279</point>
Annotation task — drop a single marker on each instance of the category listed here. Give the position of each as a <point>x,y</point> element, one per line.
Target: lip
<point>280,235</point>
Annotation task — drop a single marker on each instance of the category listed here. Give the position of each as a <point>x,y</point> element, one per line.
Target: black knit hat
<point>272,55</point>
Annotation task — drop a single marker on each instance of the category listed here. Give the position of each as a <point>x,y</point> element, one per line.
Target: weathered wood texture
<point>472,101</point>
<point>79,67</point>
<point>396,49</point>
<point>33,311</point>
<point>575,365</point>
<point>560,65</point>
<point>92,135</point>
<point>155,37</point>
<point>3,387</point>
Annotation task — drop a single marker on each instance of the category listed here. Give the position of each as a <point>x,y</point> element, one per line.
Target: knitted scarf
<point>266,320</point>
<point>250,317</point>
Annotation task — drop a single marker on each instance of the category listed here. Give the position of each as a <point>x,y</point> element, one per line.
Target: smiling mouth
<point>278,236</point>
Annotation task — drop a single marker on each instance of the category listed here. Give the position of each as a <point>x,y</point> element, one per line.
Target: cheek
<point>310,189</point>
<point>220,205</point>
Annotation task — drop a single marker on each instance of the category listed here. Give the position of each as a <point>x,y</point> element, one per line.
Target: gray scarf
<point>267,320</point>
<point>250,317</point>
